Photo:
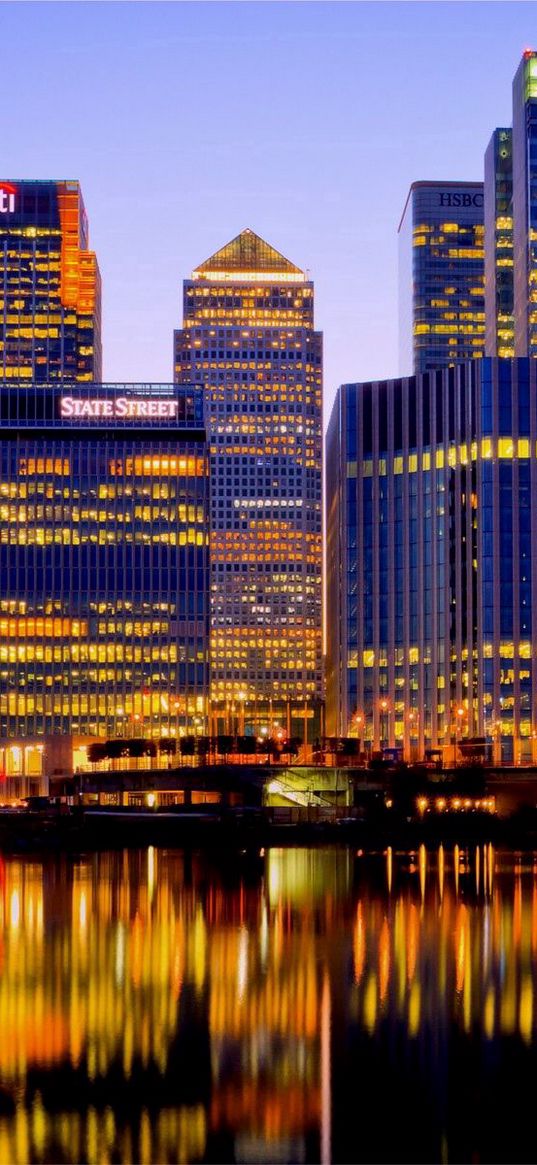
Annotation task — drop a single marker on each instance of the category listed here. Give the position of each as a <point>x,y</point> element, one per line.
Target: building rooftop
<point>434,184</point>
<point>248,257</point>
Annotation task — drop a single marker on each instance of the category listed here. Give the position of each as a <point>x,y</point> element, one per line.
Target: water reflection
<point>321,1005</point>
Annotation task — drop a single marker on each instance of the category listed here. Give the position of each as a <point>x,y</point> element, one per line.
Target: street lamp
<point>356,725</point>
<point>413,729</point>
<point>384,723</point>
<point>458,723</point>
<point>306,729</point>
<point>241,696</point>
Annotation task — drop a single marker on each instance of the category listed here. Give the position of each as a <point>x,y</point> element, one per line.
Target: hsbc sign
<point>461,199</point>
<point>7,198</point>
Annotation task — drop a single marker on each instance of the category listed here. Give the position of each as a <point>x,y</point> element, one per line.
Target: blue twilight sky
<point>186,122</point>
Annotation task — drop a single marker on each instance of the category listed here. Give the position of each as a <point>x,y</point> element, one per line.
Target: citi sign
<point>461,199</point>
<point>7,198</point>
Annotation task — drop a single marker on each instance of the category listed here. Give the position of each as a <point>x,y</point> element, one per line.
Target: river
<point>305,1005</point>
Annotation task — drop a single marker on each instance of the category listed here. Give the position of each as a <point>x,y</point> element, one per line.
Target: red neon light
<point>8,187</point>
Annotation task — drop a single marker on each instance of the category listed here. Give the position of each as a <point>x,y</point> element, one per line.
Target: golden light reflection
<point>197,1000</point>
<point>359,944</point>
<point>389,867</point>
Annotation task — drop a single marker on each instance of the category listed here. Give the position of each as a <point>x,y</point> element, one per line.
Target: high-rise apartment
<point>50,288</point>
<point>441,276</point>
<point>432,546</point>
<point>248,338</point>
<point>525,204</point>
<point>499,319</point>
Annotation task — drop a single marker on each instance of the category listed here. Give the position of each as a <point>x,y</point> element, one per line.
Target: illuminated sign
<point>7,198</point>
<point>123,408</point>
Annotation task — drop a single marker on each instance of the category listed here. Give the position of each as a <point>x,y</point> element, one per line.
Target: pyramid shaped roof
<point>247,254</point>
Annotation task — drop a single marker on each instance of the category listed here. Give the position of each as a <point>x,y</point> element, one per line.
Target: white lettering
<point>119,409</point>
<point>7,200</point>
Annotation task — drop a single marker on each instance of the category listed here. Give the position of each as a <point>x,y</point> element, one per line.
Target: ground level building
<point>432,560</point>
<point>103,568</point>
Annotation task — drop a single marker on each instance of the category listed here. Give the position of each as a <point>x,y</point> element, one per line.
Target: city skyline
<point>191,178</point>
<point>268,575</point>
<point>249,342</point>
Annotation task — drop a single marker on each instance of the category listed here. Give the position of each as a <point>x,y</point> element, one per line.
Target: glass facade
<point>500,333</point>
<point>525,204</point>
<point>441,275</point>
<point>103,561</point>
<point>432,559</point>
<point>50,287</point>
<point>248,339</point>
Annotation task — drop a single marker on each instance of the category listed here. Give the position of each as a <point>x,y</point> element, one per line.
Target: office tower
<point>441,276</point>
<point>499,320</point>
<point>525,204</point>
<point>248,338</point>
<point>50,287</point>
<point>103,567</point>
<point>432,545</point>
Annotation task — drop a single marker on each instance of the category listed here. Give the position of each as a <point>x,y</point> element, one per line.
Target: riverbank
<point>104,829</point>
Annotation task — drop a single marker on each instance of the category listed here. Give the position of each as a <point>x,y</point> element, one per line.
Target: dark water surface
<point>314,1005</point>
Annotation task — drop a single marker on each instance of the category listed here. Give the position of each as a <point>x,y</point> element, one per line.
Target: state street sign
<point>122,407</point>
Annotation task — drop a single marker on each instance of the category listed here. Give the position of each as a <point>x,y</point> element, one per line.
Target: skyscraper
<point>441,276</point>
<point>248,338</point>
<point>499,335</point>
<point>50,287</point>
<point>432,545</point>
<point>104,627</point>
<point>525,204</point>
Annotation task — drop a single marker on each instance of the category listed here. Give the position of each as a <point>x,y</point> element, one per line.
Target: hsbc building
<point>441,276</point>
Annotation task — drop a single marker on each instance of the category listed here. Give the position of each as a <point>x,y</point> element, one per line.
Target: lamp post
<point>491,728</point>
<point>384,722</point>
<point>306,746</point>
<point>263,740</point>
<point>241,709</point>
<point>458,723</point>
<point>356,727</point>
<point>413,731</point>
